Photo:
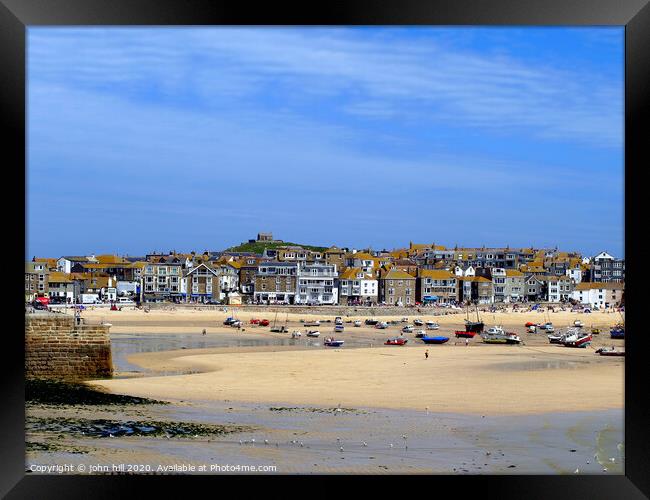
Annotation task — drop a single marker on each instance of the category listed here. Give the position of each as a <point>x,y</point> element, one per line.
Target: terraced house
<point>397,287</point>
<point>558,288</point>
<point>36,280</point>
<point>316,284</point>
<point>201,283</point>
<point>475,289</point>
<point>439,286</point>
<point>357,287</point>
<point>162,280</point>
<point>599,295</point>
<point>276,282</point>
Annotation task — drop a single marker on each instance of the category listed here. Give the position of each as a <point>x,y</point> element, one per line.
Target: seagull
<point>588,461</point>
<point>604,469</point>
<point>391,445</point>
<point>111,435</point>
<point>338,439</point>
<point>301,444</point>
<point>253,440</point>
<point>240,442</point>
<point>341,448</point>
<point>365,444</point>
<point>266,441</point>
<point>488,453</point>
<point>576,471</point>
<point>403,436</point>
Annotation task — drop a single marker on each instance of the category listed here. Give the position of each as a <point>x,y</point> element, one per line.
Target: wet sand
<point>309,440</point>
<point>493,409</point>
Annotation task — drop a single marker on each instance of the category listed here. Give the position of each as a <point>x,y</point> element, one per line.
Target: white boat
<point>296,334</point>
<point>382,325</point>
<point>313,333</point>
<point>578,324</point>
<point>312,323</point>
<point>432,325</point>
<point>408,329</point>
<point>357,323</point>
<point>418,322</point>
<point>495,330</point>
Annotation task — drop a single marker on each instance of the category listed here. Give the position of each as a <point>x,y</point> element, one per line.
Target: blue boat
<point>333,343</point>
<point>618,332</point>
<point>434,340</point>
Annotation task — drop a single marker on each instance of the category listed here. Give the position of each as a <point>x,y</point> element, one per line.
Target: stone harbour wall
<point>56,348</point>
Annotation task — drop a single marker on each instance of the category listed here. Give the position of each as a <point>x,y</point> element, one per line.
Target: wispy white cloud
<point>375,76</point>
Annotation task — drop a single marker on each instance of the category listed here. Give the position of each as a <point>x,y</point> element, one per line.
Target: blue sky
<point>143,139</point>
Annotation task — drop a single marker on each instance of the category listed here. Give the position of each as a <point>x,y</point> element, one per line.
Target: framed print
<point>370,239</point>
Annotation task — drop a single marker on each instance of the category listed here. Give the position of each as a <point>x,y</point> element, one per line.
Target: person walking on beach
<point>426,354</point>
<point>466,342</point>
<point>204,331</point>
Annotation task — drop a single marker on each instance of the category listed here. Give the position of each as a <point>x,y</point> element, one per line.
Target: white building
<point>559,288</point>
<point>357,286</point>
<point>599,295</point>
<point>316,284</point>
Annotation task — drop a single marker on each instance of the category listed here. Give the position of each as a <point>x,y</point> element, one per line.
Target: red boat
<point>465,335</point>
<point>255,321</point>
<point>529,324</point>
<point>398,341</point>
<point>264,322</point>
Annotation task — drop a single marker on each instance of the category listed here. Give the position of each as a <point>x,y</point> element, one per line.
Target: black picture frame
<point>17,15</point>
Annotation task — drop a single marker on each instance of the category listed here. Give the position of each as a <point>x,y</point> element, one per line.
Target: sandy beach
<point>494,380</point>
<point>479,378</point>
<point>477,408</point>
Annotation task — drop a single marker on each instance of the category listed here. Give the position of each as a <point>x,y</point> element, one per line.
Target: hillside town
<point>421,274</point>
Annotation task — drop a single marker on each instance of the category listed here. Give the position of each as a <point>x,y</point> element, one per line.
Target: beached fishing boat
<point>474,326</point>
<point>418,322</point>
<point>578,324</point>
<point>338,320</point>
<point>496,335</point>
<point>229,321</point>
<point>617,332</point>
<point>330,342</point>
<point>581,340</point>
<point>396,341</point>
<point>595,331</point>
<point>434,340</point>
<point>357,323</point>
<point>557,338</point>
<point>280,329</point>
<point>420,333</point>
<point>408,329</point>
<point>313,333</point>
<point>432,325</point>
<point>371,322</point>
<point>604,351</point>
<point>464,335</point>
<point>312,323</point>
<point>338,328</point>
<point>381,325</point>
<point>296,334</point>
